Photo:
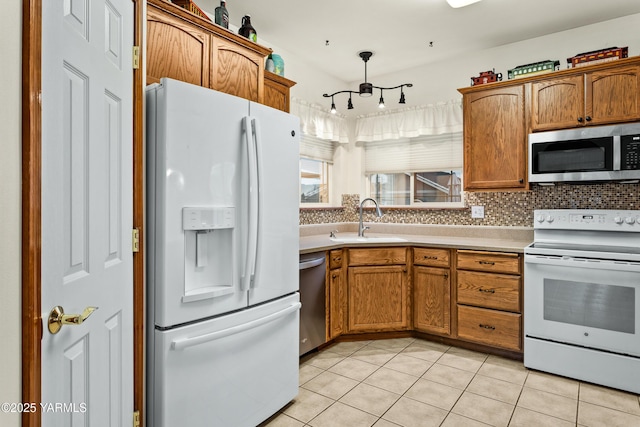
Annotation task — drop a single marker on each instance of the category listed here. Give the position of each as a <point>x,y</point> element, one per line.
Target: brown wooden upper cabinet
<point>495,132</point>
<point>603,96</point>
<point>499,116</point>
<point>183,46</point>
<point>176,48</point>
<point>276,91</point>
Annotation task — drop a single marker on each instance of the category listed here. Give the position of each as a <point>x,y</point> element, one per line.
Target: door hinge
<point>135,240</point>
<point>136,418</point>
<point>136,57</point>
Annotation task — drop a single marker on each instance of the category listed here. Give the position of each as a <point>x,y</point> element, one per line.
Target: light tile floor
<point>413,382</point>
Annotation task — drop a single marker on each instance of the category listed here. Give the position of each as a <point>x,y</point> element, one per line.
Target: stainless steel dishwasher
<point>312,297</point>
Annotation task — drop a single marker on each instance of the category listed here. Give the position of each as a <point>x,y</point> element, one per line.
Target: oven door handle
<point>582,263</point>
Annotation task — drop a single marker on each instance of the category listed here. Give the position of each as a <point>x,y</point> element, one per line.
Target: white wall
<point>10,226</point>
<point>439,82</point>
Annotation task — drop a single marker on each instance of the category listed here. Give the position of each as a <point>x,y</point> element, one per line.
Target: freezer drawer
<point>233,370</point>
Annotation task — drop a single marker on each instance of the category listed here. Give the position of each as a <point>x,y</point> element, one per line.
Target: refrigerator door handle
<point>252,234</point>
<point>257,137</point>
<point>182,343</point>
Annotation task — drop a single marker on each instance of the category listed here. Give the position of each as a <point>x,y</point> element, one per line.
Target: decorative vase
<point>278,64</point>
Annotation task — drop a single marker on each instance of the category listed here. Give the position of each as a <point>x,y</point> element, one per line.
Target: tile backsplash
<point>500,208</point>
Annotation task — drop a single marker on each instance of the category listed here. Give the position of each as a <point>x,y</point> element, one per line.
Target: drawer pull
<point>486,263</point>
<point>337,259</point>
<point>429,257</point>
<point>492,328</point>
<point>487,291</point>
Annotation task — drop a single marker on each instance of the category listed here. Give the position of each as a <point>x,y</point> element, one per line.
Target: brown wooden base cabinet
<point>336,296</point>
<point>431,291</point>
<point>378,294</point>
<point>489,298</point>
<point>473,298</point>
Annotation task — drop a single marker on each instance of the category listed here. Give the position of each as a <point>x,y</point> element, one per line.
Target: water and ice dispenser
<point>209,252</point>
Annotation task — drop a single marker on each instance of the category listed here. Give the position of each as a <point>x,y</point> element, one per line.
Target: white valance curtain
<point>435,119</point>
<point>319,123</point>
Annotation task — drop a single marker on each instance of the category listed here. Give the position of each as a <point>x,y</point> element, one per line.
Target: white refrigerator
<point>222,258</point>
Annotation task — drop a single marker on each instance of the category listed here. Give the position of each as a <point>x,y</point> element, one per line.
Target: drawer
<point>431,257</point>
<point>490,327</point>
<point>377,256</point>
<point>499,291</point>
<point>335,259</point>
<point>495,262</point>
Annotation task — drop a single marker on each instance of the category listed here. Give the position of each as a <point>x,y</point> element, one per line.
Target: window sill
<point>427,206</point>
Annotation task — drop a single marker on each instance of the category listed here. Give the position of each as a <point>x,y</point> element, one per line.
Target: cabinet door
<point>378,298</point>
<point>176,49</point>
<point>613,95</point>
<point>558,103</point>
<point>236,70</point>
<point>432,300</point>
<point>337,303</point>
<point>276,91</point>
<point>495,139</point>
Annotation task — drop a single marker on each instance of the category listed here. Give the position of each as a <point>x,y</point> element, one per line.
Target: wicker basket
<point>191,7</point>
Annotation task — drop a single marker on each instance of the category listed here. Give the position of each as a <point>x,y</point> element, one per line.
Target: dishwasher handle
<point>305,265</point>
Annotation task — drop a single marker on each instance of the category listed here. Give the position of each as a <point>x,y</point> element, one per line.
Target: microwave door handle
<point>616,152</point>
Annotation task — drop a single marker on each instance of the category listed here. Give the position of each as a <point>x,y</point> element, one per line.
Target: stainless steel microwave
<point>599,153</point>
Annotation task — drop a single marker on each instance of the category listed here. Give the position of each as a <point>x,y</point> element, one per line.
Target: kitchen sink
<point>367,239</point>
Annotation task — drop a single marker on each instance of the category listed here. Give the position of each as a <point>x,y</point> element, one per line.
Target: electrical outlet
<point>477,211</point>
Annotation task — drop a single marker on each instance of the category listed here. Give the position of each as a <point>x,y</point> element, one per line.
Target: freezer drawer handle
<point>181,344</point>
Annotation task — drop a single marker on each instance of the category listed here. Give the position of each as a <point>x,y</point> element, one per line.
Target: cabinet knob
<point>521,180</point>
<point>333,276</point>
<point>588,118</point>
<point>446,275</point>
<point>580,119</point>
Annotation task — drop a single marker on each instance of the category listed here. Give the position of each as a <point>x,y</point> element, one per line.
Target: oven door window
<point>608,307</point>
<point>583,155</point>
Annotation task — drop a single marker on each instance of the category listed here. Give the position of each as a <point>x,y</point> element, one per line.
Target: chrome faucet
<point>361,227</point>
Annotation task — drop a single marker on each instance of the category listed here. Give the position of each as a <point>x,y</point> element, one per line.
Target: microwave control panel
<point>630,152</point>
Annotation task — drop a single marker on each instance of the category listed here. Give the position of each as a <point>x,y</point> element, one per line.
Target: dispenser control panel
<point>208,218</point>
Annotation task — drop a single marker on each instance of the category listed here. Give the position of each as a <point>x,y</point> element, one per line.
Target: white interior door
<point>87,98</point>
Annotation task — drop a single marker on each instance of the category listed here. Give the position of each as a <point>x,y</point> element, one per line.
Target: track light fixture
<point>366,88</point>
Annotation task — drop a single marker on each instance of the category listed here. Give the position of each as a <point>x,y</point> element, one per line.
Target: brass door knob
<point>57,318</point>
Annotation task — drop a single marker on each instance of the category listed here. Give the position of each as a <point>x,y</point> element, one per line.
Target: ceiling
<point>328,34</point>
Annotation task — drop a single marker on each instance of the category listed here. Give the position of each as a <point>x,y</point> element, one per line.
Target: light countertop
<point>315,238</point>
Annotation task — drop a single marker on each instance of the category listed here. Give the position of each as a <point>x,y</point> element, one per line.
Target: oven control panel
<point>587,219</point>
